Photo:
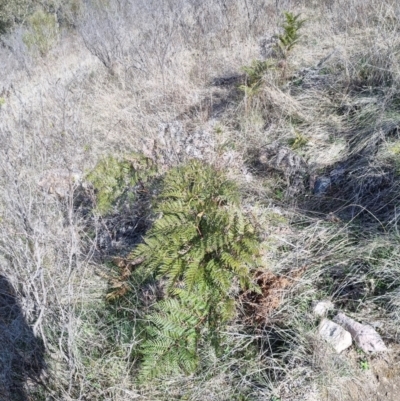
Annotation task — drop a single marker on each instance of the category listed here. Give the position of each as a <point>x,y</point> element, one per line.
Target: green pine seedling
<point>254,76</point>
<point>291,35</point>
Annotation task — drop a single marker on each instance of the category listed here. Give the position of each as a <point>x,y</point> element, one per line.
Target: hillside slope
<point>104,104</point>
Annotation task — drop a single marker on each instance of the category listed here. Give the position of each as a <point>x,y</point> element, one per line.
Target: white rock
<point>364,336</point>
<point>321,308</point>
<point>337,336</point>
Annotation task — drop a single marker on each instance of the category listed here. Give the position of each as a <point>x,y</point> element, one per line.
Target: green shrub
<point>200,246</point>
<point>12,11</point>
<point>42,32</point>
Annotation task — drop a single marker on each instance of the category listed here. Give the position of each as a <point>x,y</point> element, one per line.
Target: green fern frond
<point>113,178</point>
<point>198,246</point>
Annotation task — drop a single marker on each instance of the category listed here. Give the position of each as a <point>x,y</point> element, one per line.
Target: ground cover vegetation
<point>180,181</point>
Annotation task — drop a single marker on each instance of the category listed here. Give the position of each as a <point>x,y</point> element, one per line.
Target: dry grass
<point>162,79</point>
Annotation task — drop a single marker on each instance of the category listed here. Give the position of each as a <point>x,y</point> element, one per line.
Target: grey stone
<point>364,335</point>
<point>287,162</point>
<point>335,335</point>
<point>281,158</point>
<point>322,185</point>
<point>321,308</point>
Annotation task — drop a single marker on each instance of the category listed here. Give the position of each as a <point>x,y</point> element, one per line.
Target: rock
<point>337,336</point>
<point>321,308</point>
<point>288,163</point>
<point>321,185</point>
<point>364,335</point>
<point>282,159</point>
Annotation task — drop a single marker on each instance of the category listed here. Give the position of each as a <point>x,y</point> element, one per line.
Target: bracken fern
<point>200,245</point>
<point>112,179</point>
